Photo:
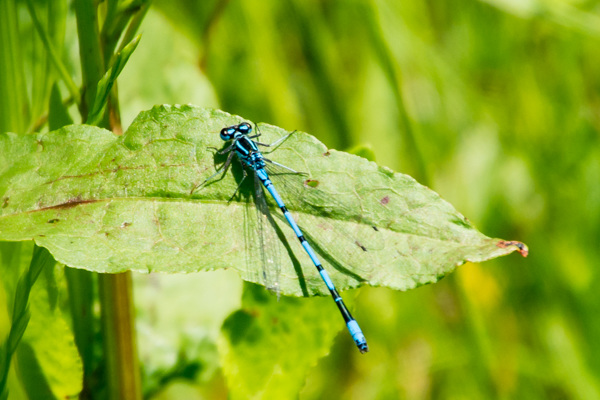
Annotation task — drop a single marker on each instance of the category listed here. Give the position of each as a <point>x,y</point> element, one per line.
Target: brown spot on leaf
<point>385,200</point>
<point>53,220</point>
<point>359,244</point>
<point>5,202</point>
<point>327,154</point>
<point>521,246</point>
<point>125,224</point>
<point>313,183</point>
<point>73,202</point>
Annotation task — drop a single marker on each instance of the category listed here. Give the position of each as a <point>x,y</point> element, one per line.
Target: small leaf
<point>20,310</point>
<point>49,348</point>
<point>58,114</point>
<point>108,80</point>
<point>48,362</point>
<point>110,204</point>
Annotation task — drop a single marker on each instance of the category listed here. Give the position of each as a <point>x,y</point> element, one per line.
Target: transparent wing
<point>330,223</point>
<point>263,241</point>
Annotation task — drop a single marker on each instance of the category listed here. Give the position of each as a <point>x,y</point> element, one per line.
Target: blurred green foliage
<point>494,104</point>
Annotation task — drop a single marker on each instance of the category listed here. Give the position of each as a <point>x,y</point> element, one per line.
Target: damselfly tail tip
<point>357,335</point>
<point>363,347</point>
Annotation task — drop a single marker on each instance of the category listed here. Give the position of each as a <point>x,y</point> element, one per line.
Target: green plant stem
<point>115,291</point>
<point>118,321</point>
<point>80,282</point>
<point>90,54</point>
<point>14,106</point>
<point>118,326</point>
<point>479,339</point>
<point>393,74</point>
<point>60,67</point>
<point>80,286</point>
<point>114,25</point>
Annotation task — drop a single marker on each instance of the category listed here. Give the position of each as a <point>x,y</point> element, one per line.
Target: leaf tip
<point>521,247</point>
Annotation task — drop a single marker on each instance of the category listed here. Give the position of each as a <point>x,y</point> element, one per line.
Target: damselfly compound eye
<point>244,128</point>
<point>227,133</point>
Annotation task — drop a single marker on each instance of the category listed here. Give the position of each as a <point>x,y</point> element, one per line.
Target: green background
<point>493,104</point>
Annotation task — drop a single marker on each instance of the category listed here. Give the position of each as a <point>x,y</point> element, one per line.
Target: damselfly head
<point>229,132</point>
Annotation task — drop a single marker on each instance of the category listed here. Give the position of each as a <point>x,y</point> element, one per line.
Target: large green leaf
<point>109,204</point>
<point>266,347</point>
